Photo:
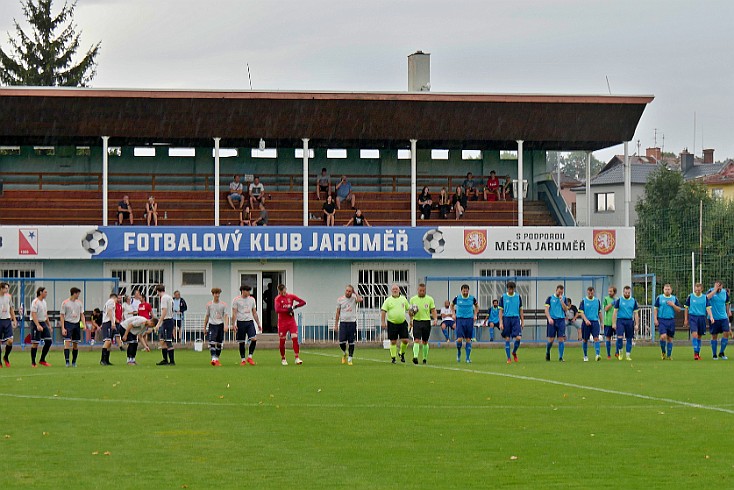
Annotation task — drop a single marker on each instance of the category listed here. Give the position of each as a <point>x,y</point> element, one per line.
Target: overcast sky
<point>680,51</point>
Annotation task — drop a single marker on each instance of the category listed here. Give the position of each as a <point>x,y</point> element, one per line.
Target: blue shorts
<point>165,333</point>
<point>73,332</point>
<point>448,323</point>
<point>625,328</point>
<point>245,329</point>
<point>6,329</point>
<point>609,331</point>
<point>511,327</point>
<point>464,328</point>
<point>558,329</point>
<point>348,332</point>
<point>720,326</point>
<point>215,333</point>
<point>666,326</point>
<point>697,324</point>
<point>590,330</point>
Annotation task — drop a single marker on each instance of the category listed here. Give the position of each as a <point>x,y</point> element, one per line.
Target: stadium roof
<point>79,116</point>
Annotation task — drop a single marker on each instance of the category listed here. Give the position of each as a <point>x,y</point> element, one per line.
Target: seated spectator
<point>257,193</point>
<point>470,188</point>
<point>246,217</point>
<point>573,318</point>
<point>459,202</point>
<point>507,188</point>
<point>444,203</point>
<point>323,185</point>
<point>329,210</point>
<point>263,219</point>
<point>492,191</point>
<point>425,203</point>
<point>124,210</point>
<point>358,219</point>
<point>344,193</point>
<point>236,193</point>
<point>151,211</point>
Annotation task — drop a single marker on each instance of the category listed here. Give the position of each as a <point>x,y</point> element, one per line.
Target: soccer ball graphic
<point>94,242</point>
<point>433,242</point>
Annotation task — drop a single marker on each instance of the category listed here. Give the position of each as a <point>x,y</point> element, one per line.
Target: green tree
<point>574,164</point>
<point>45,57</point>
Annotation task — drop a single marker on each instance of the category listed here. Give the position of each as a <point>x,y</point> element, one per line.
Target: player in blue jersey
<point>721,311</point>
<point>627,320</point>
<point>466,309</point>
<point>493,318</point>
<point>512,320</point>
<point>608,306</point>
<point>697,309</point>
<point>555,314</point>
<point>591,313</point>
<point>663,313</point>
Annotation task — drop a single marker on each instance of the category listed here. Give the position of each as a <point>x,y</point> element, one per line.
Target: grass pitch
<point>645,423</point>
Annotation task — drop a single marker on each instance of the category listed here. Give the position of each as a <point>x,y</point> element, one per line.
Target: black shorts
<point>397,331</point>
<point>323,188</point>
<point>216,334</point>
<point>347,332</point>
<point>37,336</point>
<point>108,331</point>
<point>131,338</point>
<point>124,214</point>
<point>422,330</point>
<point>119,330</point>
<point>73,332</point>
<point>245,329</point>
<point>165,332</point>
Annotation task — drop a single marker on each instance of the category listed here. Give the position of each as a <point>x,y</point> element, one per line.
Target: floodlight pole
<point>305,181</point>
<point>105,178</point>
<point>520,184</point>
<point>216,181</point>
<point>413,186</point>
<point>627,185</point>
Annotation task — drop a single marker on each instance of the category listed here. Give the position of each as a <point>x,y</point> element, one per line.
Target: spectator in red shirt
<point>144,308</point>
<point>285,304</point>
<point>492,190</point>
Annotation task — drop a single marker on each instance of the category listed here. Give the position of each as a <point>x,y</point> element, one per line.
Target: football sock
<point>213,351</point>
<point>134,352</point>
<point>416,349</point>
<point>561,348</point>
<point>46,348</point>
<point>74,355</point>
<point>403,348</point>
<point>164,352</point>
<point>8,348</point>
<point>628,346</point>
<point>585,346</point>
<point>724,343</point>
<point>468,350</point>
<point>507,348</point>
<point>696,348</point>
<point>130,351</point>
<point>281,346</point>
<point>619,344</point>
<point>446,334</point>
<point>33,354</point>
<point>393,350</point>
<point>609,347</point>
<point>242,350</point>
<point>103,359</point>
<point>170,356</point>
<point>517,346</point>
<point>425,351</point>
<point>66,355</point>
<point>295,346</point>
<point>714,346</point>
<point>662,346</point>
<point>597,347</point>
<point>458,347</point>
<point>219,351</point>
<point>253,343</point>
<point>670,349</point>
<point>548,346</point>
<point>351,349</point>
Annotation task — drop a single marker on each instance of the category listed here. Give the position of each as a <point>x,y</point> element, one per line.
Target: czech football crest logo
<point>605,241</point>
<point>475,241</point>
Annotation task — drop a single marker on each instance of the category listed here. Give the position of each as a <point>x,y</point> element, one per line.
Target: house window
<point>717,193</point>
<point>369,153</point>
<point>299,153</point>
<point>439,154</point>
<point>266,153</point>
<point>605,202</point>
<point>193,278</point>
<point>490,290</point>
<point>8,271</point>
<point>141,279</point>
<point>403,154</point>
<point>144,151</point>
<point>373,281</point>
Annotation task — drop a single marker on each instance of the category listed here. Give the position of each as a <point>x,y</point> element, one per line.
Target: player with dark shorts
<point>215,323</point>
<point>345,322</point>
<point>71,316</point>
<point>664,309</point>
<point>39,327</point>
<point>108,328</point>
<point>609,332</point>
<point>8,321</point>
<point>590,310</point>
<point>555,314</point>
<point>721,311</point>
<point>133,327</point>
<point>447,320</point>
<point>512,319</point>
<point>423,317</point>
<point>697,309</point>
<point>626,320</point>
<point>165,327</point>
<point>244,317</point>
<point>466,309</point>
<point>392,319</point>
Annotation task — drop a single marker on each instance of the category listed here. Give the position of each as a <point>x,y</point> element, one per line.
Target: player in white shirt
<point>165,327</point>
<point>39,327</point>
<point>8,321</point>
<point>109,328</point>
<point>345,322</point>
<point>215,322</point>
<point>71,317</point>
<point>133,327</point>
<point>447,320</point>
<point>244,318</point>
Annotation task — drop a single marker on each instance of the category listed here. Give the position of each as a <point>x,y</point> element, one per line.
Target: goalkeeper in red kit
<point>285,304</point>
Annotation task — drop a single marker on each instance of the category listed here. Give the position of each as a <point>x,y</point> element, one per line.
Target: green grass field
<point>645,423</point>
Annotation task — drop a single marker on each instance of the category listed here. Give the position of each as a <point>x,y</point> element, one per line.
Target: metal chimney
<point>419,72</point>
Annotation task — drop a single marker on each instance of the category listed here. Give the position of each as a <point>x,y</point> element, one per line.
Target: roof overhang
<point>80,116</point>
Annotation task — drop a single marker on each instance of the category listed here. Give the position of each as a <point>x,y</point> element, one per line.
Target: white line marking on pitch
<point>558,383</point>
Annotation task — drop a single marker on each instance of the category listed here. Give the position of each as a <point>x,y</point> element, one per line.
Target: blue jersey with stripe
<point>555,308</point>
<point>718,304</point>
<point>626,307</point>
<point>697,305</point>
<point>494,315</point>
<point>591,308</point>
<point>510,305</point>
<point>666,311</point>
<point>465,306</point>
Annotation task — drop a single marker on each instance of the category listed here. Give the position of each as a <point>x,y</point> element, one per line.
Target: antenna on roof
<point>248,75</point>
<point>609,88</point>
<point>694,132</point>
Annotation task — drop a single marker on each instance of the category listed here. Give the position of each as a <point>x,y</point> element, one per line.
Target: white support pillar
<point>305,181</point>
<point>216,181</point>
<point>520,184</point>
<point>413,185</point>
<point>589,201</point>
<point>105,178</point>
<point>627,184</point>
<point>558,176</point>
